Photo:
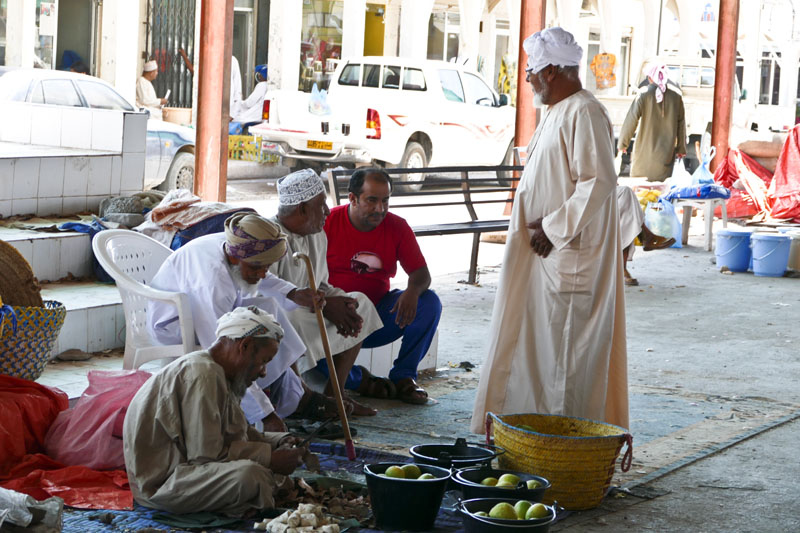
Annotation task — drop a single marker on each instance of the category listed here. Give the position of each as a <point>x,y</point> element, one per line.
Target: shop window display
<point>321,46</point>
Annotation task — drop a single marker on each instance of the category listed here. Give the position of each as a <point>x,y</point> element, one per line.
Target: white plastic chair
<point>133,259</point>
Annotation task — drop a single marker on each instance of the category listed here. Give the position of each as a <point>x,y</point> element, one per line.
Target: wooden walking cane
<point>337,392</point>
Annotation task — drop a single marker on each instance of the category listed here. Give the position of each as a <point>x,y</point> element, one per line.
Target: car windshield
<point>476,90</point>
<point>451,85</point>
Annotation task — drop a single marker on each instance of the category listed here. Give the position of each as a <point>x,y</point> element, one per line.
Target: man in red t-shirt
<point>365,243</point>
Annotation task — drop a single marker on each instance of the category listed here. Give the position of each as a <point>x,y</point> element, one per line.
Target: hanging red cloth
<point>785,189</point>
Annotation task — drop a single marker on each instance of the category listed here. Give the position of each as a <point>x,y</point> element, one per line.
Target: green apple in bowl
<point>396,472</point>
<point>503,510</point>
<point>538,510</point>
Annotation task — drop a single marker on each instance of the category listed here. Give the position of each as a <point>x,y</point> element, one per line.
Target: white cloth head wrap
<point>248,322</point>
<point>254,239</point>
<point>553,46</point>
<point>659,75</point>
<point>150,66</point>
<point>299,187</point>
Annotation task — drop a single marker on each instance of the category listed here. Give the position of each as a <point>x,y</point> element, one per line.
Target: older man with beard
<point>557,340</point>
<point>222,271</point>
<point>188,447</point>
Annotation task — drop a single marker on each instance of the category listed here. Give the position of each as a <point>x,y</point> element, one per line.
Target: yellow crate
<point>248,148</point>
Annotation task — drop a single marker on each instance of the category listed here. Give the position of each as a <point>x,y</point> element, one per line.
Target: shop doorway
<point>77,33</point>
<point>374,28</point>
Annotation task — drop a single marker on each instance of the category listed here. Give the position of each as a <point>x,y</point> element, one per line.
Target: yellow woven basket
<point>25,350</point>
<point>577,455</point>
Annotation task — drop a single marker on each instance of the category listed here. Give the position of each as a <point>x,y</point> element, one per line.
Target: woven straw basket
<point>24,354</point>
<point>577,455</point>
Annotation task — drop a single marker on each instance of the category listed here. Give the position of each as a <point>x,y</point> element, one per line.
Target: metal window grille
<point>170,27</point>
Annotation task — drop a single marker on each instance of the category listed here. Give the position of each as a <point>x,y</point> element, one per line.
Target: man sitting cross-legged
<point>222,271</point>
<point>188,447</point>
<point>349,317</point>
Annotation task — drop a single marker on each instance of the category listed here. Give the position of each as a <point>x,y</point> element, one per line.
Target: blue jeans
<point>417,337</point>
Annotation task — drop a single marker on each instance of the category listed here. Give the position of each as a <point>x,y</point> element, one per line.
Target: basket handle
<point>489,439</point>
<point>7,310</point>
<point>625,465</point>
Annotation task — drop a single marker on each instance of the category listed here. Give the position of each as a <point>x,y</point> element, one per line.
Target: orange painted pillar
<point>531,20</point>
<point>213,99</point>
<point>727,31</point>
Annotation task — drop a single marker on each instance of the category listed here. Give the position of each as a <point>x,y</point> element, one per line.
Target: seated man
<point>350,317</point>
<point>188,447</point>
<point>251,109</point>
<point>222,271</point>
<point>631,222</point>
<point>365,242</point>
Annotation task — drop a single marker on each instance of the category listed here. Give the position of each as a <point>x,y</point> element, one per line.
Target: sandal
<point>657,243</point>
<point>319,407</point>
<point>630,281</point>
<point>358,408</point>
<point>331,432</point>
<point>375,387</point>
<point>408,391</point>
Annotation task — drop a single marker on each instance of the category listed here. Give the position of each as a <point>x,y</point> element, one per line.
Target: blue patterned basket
<point>24,354</point>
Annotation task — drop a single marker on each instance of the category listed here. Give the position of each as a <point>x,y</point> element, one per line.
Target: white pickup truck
<point>696,78</point>
<point>391,111</point>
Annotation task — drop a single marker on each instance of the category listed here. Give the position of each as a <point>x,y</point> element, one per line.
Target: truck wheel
<point>413,157</point>
<point>180,174</point>
<point>504,176</point>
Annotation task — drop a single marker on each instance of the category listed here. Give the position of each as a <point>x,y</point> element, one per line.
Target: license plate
<point>319,145</point>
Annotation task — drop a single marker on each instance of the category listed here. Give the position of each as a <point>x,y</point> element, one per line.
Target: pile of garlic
<point>308,518</point>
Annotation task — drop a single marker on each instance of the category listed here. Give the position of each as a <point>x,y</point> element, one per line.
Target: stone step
<point>95,320</point>
<point>52,256</point>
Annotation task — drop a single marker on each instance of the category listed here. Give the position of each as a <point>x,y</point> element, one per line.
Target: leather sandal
<point>375,387</point>
<point>319,407</point>
<point>657,243</point>
<point>408,391</point>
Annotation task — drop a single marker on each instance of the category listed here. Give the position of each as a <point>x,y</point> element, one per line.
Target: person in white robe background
<point>222,271</point>
<point>251,109</point>
<point>557,340</point>
<point>146,93</point>
<point>236,89</point>
<point>349,317</point>
<point>187,445</point>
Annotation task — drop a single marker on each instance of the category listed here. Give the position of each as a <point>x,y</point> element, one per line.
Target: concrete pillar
<point>689,13</point>
<point>20,33</point>
<point>414,17</point>
<point>751,50</point>
<point>610,37</point>
<point>790,55</point>
<point>725,71</point>
<point>650,33</point>
<point>568,17</point>
<point>487,44</point>
<point>353,28</point>
<point>470,12</point>
<point>120,61</point>
<point>391,23</point>
<point>215,48</point>
<point>285,32</point>
<point>514,29</point>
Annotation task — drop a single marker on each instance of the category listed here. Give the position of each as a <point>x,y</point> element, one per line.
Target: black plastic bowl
<point>405,504</point>
<point>468,481</point>
<point>480,524</point>
<point>458,455</point>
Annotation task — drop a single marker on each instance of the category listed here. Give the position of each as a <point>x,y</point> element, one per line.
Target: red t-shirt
<point>375,253</point>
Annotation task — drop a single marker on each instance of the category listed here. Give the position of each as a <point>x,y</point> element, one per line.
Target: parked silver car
<point>169,160</point>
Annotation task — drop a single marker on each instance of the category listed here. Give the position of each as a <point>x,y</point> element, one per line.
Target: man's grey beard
<point>539,97</point>
<point>239,386</point>
<point>537,100</point>
<point>247,290</point>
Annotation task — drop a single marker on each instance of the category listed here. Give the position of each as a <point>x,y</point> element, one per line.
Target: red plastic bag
<point>26,411</point>
<point>785,189</point>
<point>90,434</point>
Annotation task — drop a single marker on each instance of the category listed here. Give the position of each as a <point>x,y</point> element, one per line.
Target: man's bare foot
<point>359,409</point>
<point>274,424</point>
<point>630,281</point>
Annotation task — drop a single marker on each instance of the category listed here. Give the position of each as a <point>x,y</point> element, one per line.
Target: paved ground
<point>713,370</point>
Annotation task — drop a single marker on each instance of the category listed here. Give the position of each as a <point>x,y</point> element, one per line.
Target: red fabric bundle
<point>740,204</point>
<point>27,410</point>
<point>785,189</point>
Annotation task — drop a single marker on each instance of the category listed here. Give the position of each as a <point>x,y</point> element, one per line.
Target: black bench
<point>471,192</point>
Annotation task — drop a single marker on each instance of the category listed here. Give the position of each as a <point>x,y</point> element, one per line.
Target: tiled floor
<point>71,376</point>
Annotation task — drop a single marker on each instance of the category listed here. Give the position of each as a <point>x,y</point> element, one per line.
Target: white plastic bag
<point>680,176</point>
<point>660,218</point>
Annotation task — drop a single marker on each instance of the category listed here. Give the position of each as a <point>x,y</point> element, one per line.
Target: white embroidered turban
<point>553,46</point>
<point>248,322</point>
<point>254,239</point>
<point>299,187</point>
<point>150,66</point>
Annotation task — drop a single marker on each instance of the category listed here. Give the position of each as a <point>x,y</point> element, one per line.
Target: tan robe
<point>188,447</point>
<point>662,133</point>
<point>305,323</point>
<point>557,339</point>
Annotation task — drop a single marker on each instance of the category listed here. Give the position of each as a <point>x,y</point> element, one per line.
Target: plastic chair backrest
<point>133,259</point>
